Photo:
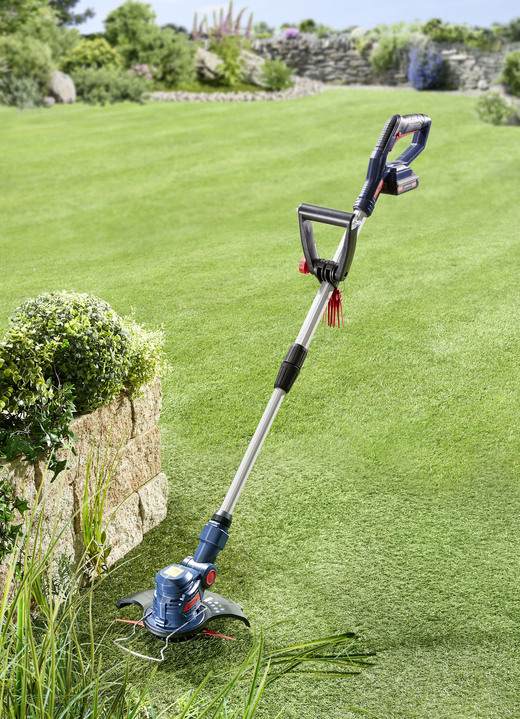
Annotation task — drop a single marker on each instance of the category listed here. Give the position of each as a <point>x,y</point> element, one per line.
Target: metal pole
<point>304,338</point>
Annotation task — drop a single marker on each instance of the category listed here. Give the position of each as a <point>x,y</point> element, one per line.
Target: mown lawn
<point>386,499</point>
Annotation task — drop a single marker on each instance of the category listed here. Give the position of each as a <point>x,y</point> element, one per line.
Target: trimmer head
<point>212,606</point>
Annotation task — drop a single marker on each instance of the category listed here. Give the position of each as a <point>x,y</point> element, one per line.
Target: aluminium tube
<point>304,338</point>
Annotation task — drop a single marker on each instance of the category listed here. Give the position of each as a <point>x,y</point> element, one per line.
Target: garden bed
<point>303,87</point>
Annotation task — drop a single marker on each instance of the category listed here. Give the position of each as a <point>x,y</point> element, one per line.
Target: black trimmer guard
<point>214,606</point>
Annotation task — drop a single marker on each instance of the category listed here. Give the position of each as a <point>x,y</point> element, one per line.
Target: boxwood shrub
<point>65,352</point>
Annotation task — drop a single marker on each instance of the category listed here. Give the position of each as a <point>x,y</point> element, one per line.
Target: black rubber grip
<point>291,366</point>
<point>339,218</point>
<point>386,134</point>
<point>413,123</point>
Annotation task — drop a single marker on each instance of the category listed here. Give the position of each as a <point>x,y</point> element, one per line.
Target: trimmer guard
<point>213,605</point>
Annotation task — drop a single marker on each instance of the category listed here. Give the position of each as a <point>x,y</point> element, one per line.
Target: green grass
<point>386,498</point>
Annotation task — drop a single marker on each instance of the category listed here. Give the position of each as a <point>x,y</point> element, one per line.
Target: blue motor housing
<point>176,600</point>
<point>179,588</point>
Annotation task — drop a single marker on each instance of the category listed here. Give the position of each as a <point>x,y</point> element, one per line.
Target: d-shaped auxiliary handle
<point>326,270</point>
<point>396,177</point>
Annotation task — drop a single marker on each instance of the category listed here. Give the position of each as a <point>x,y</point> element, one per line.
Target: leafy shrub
<point>10,506</point>
<point>511,72</point>
<point>91,53</point>
<point>231,71</point>
<point>58,38</point>
<point>425,69</point>
<point>391,45</point>
<point>438,31</point>
<point>99,86</point>
<point>128,27</point>
<point>173,56</point>
<point>26,57</point>
<point>493,108</point>
<point>276,75</point>
<point>22,92</point>
<point>77,338</point>
<point>63,352</point>
<point>147,359</point>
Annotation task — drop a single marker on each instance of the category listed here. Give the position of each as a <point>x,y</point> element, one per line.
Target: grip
<point>413,123</point>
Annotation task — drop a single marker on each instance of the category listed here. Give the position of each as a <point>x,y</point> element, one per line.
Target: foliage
<point>128,28</point>
<point>99,476</point>
<point>511,72</point>
<point>133,30</point>
<point>494,109</point>
<point>63,10</point>
<point>41,431</point>
<point>147,358</point>
<point>172,54</point>
<point>276,75</point>
<point>308,26</point>
<point>14,14</point>
<point>58,38</point>
<point>223,26</point>
<point>262,30</point>
<point>23,93</point>
<point>64,352</point>
<point>26,57</point>
<point>51,665</point>
<point>439,31</point>
<point>509,32</point>
<point>228,48</point>
<point>79,339</point>
<point>426,68</point>
<point>391,45</point>
<point>91,53</point>
<point>11,506</point>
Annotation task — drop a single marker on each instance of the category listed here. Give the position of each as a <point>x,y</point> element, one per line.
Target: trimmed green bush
<point>65,352</point>
<point>78,339</point>
<point>147,359</point>
<point>91,53</point>
<point>511,72</point>
<point>101,86</point>
<point>58,38</point>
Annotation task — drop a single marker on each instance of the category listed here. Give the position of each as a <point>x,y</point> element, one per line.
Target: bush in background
<point>494,109</point>
<point>26,58</point>
<point>426,68</point>
<point>511,72</point>
<point>102,86</point>
<point>131,28</point>
<point>276,75</point>
<point>91,53</point>
<point>58,38</point>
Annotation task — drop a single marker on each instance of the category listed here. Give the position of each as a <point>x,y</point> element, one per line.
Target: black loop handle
<point>395,128</point>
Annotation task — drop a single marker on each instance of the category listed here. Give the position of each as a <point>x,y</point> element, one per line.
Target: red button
<point>303,267</point>
<point>210,577</point>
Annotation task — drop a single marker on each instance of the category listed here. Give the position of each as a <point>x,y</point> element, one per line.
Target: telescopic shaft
<point>303,340</point>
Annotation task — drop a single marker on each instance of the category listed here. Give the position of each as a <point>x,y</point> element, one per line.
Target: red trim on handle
<point>401,134</point>
<point>379,188</point>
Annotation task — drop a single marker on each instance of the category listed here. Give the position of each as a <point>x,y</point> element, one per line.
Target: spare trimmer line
<point>181,605</point>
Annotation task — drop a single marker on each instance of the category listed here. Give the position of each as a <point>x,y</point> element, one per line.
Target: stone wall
<point>127,431</point>
<point>335,60</point>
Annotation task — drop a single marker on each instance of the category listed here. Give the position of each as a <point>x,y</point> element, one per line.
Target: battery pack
<point>399,180</point>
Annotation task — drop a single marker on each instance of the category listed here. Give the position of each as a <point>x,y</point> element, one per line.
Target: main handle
<point>395,127</point>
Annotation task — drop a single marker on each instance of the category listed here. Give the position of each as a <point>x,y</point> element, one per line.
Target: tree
<point>64,14</point>
<point>15,13</point>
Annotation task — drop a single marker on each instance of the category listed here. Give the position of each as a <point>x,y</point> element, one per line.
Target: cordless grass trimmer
<point>182,605</point>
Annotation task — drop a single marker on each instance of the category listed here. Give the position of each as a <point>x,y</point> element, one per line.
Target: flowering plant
<point>291,32</point>
<point>426,69</point>
<point>143,70</point>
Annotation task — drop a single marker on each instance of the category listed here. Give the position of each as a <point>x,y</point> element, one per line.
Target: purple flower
<point>291,32</point>
<point>148,76</point>
<point>131,71</point>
